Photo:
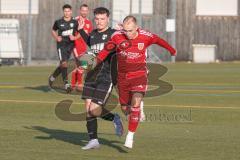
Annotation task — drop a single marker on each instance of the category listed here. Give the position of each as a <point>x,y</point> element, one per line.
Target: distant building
<point>210,22</point>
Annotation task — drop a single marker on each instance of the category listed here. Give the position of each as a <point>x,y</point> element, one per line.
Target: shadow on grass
<point>40,88</point>
<point>75,138</point>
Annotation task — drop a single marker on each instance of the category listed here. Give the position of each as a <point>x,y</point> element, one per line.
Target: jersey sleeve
<point>76,27</point>
<point>55,26</point>
<point>109,48</point>
<point>85,36</point>
<point>102,55</point>
<point>155,39</point>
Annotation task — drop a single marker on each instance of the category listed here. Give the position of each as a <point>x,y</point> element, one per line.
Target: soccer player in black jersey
<point>97,89</point>
<point>63,32</point>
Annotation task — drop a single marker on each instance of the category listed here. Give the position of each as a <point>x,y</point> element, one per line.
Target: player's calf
<point>133,121</point>
<point>53,76</point>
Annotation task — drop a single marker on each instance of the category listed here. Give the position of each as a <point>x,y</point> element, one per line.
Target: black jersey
<point>96,41</point>
<point>65,29</point>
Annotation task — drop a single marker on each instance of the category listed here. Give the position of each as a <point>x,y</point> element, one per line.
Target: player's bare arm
<point>56,37</point>
<point>73,38</point>
<point>81,23</point>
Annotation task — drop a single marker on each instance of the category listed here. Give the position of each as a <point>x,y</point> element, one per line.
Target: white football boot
<point>129,140</point>
<point>92,144</point>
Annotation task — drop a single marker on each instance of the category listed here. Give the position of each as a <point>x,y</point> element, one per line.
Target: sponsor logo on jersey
<point>125,45</point>
<point>133,55</point>
<point>67,32</point>
<point>71,24</point>
<point>87,25</point>
<point>104,36</point>
<point>97,47</point>
<point>140,46</point>
<point>123,53</point>
<point>130,55</point>
<point>62,25</point>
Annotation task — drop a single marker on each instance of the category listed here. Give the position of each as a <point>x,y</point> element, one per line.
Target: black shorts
<point>64,53</point>
<point>98,86</point>
<point>98,92</point>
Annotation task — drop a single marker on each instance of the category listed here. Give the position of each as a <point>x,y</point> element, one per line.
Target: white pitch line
<point>156,105</point>
<point>30,101</point>
<point>179,90</point>
<point>208,90</point>
<point>11,87</point>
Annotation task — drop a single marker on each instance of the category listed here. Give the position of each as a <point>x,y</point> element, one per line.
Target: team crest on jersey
<point>140,46</point>
<point>104,36</point>
<point>71,24</point>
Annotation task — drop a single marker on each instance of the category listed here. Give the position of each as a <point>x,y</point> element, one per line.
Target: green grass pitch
<point>199,119</point>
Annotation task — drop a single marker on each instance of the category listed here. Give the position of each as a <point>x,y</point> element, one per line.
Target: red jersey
<point>132,59</point>
<point>80,45</point>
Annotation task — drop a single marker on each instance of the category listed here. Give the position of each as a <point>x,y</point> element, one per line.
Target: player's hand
<point>119,26</point>
<point>81,23</point>
<point>173,59</point>
<point>59,39</point>
<point>72,38</point>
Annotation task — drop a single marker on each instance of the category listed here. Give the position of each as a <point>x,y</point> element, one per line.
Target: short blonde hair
<point>130,18</point>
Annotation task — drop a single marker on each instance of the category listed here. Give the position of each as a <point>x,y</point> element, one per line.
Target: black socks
<point>64,74</point>
<point>92,127</point>
<point>57,72</point>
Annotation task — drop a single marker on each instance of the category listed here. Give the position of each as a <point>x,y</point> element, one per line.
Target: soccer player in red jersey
<point>130,45</point>
<point>80,46</point>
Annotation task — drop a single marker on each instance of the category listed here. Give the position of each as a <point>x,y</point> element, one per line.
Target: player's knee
<point>136,99</point>
<point>125,109</point>
<point>63,64</point>
<point>94,113</point>
<point>136,105</point>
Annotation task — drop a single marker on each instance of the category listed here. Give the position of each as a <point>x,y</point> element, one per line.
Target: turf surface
<point>199,119</point>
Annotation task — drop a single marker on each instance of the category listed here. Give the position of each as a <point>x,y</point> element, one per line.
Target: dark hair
<point>130,17</point>
<point>101,10</point>
<point>83,5</point>
<point>67,6</point>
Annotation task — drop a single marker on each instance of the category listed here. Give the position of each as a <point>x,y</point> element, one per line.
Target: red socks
<point>77,77</point>
<point>133,119</point>
<point>74,78</point>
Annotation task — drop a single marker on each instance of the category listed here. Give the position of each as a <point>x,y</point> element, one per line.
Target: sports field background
<point>198,120</point>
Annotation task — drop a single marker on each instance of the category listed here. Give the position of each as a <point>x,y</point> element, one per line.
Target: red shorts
<point>129,83</point>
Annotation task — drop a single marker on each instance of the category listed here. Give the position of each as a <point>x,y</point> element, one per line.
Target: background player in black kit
<point>97,87</point>
<point>63,32</point>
